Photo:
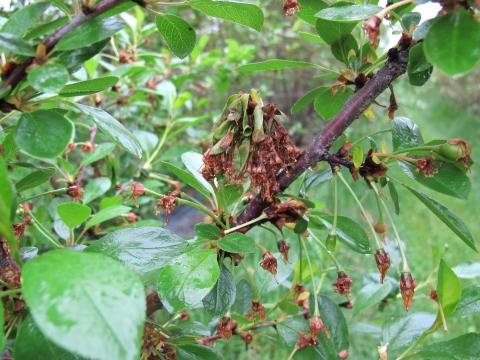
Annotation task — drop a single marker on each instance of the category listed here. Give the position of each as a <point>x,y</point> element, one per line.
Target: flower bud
<point>457,150</point>
<point>226,327</point>
<point>137,190</point>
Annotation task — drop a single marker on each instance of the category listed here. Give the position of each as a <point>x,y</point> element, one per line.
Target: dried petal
<point>290,7</point>
<point>316,326</point>
<point>137,190</point>
<point>168,203</point>
<point>425,166</point>
<point>283,247</point>
<point>372,28</point>
<point>75,191</point>
<point>225,328</point>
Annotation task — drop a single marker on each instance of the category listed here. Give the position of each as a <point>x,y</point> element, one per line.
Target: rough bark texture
<point>395,66</point>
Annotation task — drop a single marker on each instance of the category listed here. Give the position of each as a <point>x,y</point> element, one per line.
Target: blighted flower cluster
<point>250,139</point>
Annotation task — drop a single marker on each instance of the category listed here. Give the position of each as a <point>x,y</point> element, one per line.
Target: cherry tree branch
<point>395,66</point>
<point>19,73</point>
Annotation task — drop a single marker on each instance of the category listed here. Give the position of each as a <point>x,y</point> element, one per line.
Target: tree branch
<point>395,66</point>
<point>18,74</point>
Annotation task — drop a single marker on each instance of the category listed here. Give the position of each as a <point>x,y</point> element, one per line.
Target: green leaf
<point>333,31</point>
<point>196,352</point>
<point>469,303</point>
<point>11,43</point>
<point>48,77</point>
<point>113,129</point>
<point>350,13</point>
<point>465,347</point>
<point>418,69</point>
<point>348,231</point>
<point>143,250</point>
<point>403,331</point>
<point>68,291</point>
<point>311,37</point>
<point>357,156</point>
<point>405,133</point>
<point>453,42</point>
<point>98,153</point>
<point>449,179</point>
<point>449,289</point>
<point>45,28</point>
<point>207,231</point>
<point>343,48</point>
<point>308,9</point>
<point>72,60</point>
<point>243,298</point>
<point>328,105</point>
<point>34,179</point>
<point>91,32</point>
<point>73,214</point>
<point>194,163</point>
<point>410,20</point>
<point>187,178</point>
<point>248,15</point>
<point>394,195</point>
<point>187,279</point>
<point>371,295</point>
<point>106,214</point>
<point>237,243</point>
<point>7,208</point>
<point>43,133</point>
<point>24,18</point>
<point>96,188</point>
<point>221,298</point>
<point>88,87</point>
<point>32,344</point>
<point>273,65</point>
<point>178,34</point>
<point>447,217</point>
<point>306,99</point>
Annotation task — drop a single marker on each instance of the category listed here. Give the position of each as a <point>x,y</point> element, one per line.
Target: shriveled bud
<point>247,337</point>
<point>258,308</point>
<point>343,354</point>
<point>168,203</point>
<point>347,304</point>
<point>317,326</point>
<point>434,295</point>
<point>425,166</point>
<point>184,315</point>
<point>380,228</point>
<point>407,288</point>
<point>305,340</point>
<point>342,284</point>
<point>88,147</point>
<point>283,246</point>
<point>269,263</point>
<point>132,217</point>
<point>382,258</point>
<point>75,192</point>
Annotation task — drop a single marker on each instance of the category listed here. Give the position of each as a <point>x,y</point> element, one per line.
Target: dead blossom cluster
<point>250,139</point>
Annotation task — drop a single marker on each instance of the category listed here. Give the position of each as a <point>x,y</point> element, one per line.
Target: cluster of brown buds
<point>167,203</point>
<point>154,345</point>
<point>342,284</point>
<point>127,56</point>
<point>407,288</point>
<point>382,258</point>
<point>290,7</point>
<point>250,139</point>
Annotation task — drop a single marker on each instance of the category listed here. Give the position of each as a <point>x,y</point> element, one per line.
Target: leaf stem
<point>329,253</point>
<point>44,231</point>
<point>302,241</point>
<point>362,209</point>
<point>51,192</point>
<point>263,216</point>
<point>10,292</point>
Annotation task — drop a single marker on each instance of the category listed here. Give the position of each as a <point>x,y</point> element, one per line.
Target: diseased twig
<point>351,110</point>
<point>19,73</point>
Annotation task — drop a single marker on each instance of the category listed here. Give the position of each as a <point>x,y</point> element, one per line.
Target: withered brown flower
<point>372,170</point>
<point>342,284</point>
<point>290,7</point>
<point>305,340</point>
<point>269,263</point>
<point>317,326</point>
<point>407,288</point>
<point>426,167</point>
<point>168,204</point>
<point>259,309</point>
<point>372,29</point>
<point>382,258</point>
<point>75,192</point>
<point>225,328</point>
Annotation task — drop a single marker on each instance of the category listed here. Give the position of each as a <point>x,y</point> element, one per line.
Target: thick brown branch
<point>353,108</point>
<point>20,71</point>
